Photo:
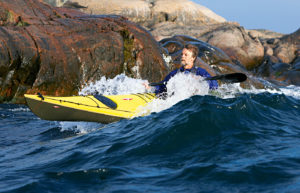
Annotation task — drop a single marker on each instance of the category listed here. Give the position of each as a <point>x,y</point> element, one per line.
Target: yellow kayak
<point>94,108</point>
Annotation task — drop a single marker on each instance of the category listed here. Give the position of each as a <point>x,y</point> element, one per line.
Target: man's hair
<point>194,49</point>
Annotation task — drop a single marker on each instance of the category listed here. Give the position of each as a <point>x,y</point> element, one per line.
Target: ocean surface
<point>235,140</point>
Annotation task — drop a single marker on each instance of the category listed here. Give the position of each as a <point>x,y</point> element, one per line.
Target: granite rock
<point>57,50</point>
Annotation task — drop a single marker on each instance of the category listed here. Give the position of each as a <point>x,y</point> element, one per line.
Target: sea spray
<point>179,87</point>
<point>79,127</point>
<point>121,84</point>
<point>21,109</point>
<point>231,90</point>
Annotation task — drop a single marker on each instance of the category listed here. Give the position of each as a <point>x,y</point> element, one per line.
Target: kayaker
<point>188,58</point>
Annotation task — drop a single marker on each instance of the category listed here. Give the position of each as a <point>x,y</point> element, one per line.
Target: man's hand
<point>146,85</point>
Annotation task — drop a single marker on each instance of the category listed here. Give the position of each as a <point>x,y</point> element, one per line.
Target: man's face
<point>187,57</point>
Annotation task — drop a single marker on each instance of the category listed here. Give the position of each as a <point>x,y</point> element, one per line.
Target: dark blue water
<point>250,143</point>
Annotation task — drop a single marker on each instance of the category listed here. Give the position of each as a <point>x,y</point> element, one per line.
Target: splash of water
<point>20,109</point>
<point>79,127</point>
<point>292,91</point>
<point>180,87</point>
<point>226,89</point>
<point>121,84</point>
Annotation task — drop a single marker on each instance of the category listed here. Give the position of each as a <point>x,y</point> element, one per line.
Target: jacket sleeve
<point>213,84</point>
<point>163,88</point>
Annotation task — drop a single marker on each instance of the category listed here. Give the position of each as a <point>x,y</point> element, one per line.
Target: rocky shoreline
<point>57,50</point>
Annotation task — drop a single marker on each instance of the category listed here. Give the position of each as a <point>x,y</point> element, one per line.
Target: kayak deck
<point>87,108</point>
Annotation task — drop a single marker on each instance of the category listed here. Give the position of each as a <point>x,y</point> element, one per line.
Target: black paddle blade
<point>229,78</point>
<point>107,101</point>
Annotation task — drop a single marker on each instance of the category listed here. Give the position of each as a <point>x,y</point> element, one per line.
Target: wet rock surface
<point>281,60</point>
<point>237,44</point>
<point>56,50</point>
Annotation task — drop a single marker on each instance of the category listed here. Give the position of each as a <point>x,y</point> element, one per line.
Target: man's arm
<point>213,84</point>
<point>163,88</point>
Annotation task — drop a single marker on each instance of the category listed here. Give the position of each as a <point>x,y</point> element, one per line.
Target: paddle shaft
<point>227,78</point>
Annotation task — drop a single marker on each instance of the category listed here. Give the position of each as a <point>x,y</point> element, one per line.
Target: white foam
<point>121,84</point>
<point>79,127</point>
<point>20,109</point>
<point>180,87</point>
<point>293,91</point>
<point>231,90</point>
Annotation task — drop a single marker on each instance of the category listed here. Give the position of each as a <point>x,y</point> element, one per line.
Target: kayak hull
<point>87,108</point>
<point>58,112</point>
